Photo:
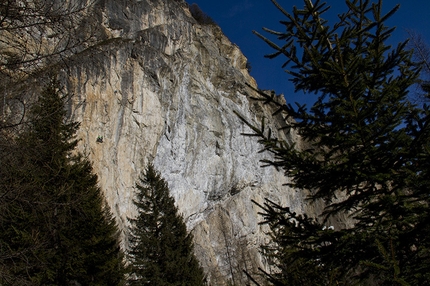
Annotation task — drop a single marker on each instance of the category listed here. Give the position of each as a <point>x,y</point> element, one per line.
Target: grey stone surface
<point>161,88</point>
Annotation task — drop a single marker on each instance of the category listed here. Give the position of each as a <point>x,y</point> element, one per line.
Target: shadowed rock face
<point>160,87</point>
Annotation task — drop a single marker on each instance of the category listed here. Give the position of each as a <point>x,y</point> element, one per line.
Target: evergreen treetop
<point>56,228</point>
<point>161,249</point>
<point>367,156</point>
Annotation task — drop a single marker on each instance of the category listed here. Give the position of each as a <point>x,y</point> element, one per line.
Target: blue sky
<point>237,19</point>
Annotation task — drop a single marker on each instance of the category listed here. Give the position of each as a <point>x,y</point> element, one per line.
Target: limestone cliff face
<point>162,88</point>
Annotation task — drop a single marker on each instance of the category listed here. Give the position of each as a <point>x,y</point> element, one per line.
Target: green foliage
<point>200,16</point>
<point>368,154</point>
<point>55,226</point>
<point>421,54</point>
<point>161,250</point>
<point>248,66</point>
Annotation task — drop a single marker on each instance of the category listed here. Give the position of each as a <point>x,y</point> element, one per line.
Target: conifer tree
<point>367,156</point>
<point>56,227</point>
<point>421,54</point>
<point>161,250</point>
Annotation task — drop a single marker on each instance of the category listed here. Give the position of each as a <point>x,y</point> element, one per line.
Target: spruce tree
<point>57,229</point>
<point>161,250</point>
<point>367,153</point>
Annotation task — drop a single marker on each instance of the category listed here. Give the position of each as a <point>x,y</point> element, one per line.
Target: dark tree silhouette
<point>200,16</point>
<point>55,226</point>
<point>161,250</point>
<point>368,153</point>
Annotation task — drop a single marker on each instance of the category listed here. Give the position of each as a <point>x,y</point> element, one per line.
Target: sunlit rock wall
<point>162,88</point>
